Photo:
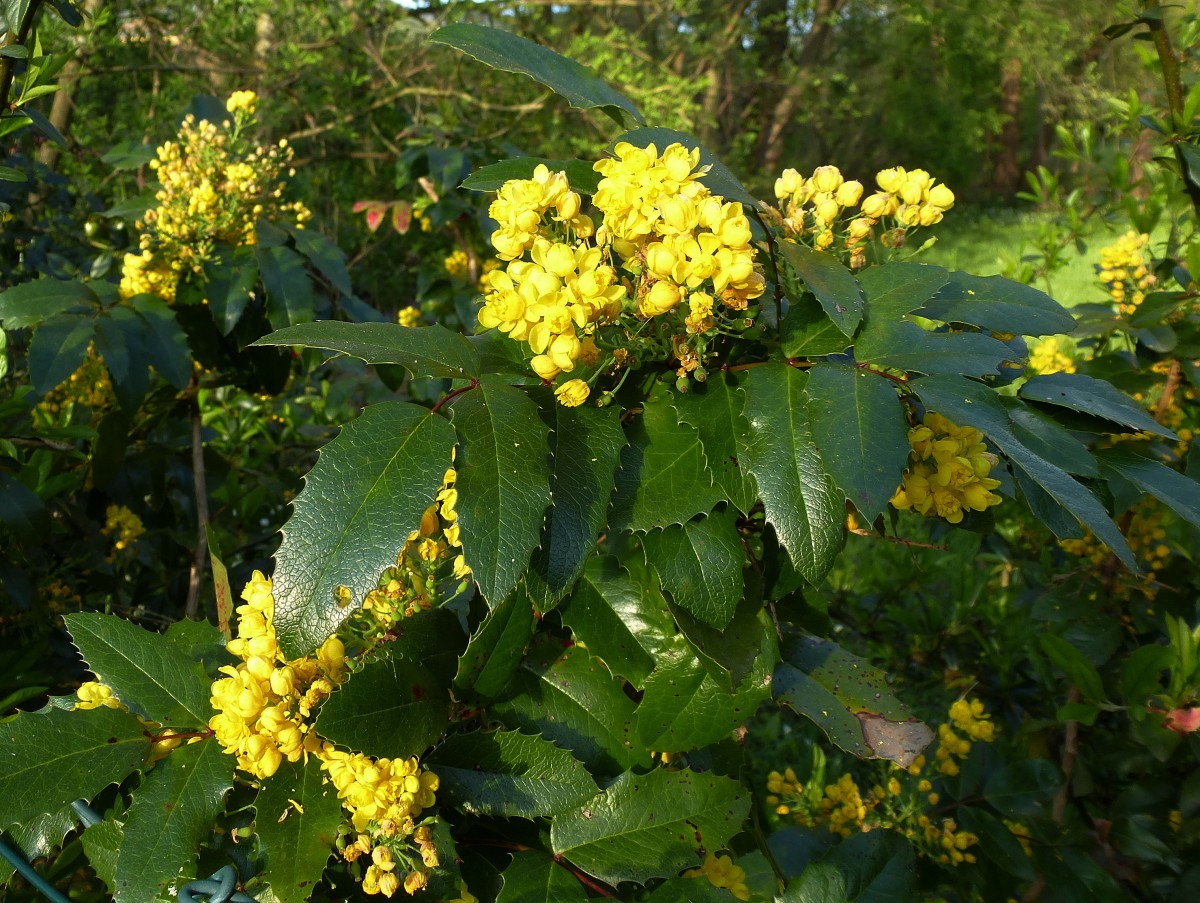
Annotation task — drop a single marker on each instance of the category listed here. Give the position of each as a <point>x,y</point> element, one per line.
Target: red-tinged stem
<point>585,880</point>
<point>450,396</point>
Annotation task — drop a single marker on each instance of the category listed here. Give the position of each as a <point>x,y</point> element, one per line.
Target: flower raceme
<point>948,471</point>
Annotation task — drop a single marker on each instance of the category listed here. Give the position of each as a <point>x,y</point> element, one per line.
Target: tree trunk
<point>1006,177</point>
<point>63,104</point>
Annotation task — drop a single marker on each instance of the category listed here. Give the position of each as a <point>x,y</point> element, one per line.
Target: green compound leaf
<point>802,501</point>
<point>1022,789</point>
<point>833,285</point>
<point>806,331</point>
<point>57,349</point>
<point>651,825</point>
<point>580,174</point>
<point>56,756</point>
<point>102,846</point>
<point>969,403</point>
<point>859,428</point>
<point>1089,395</point>
<point>999,305</point>
<point>31,303</point>
<point>534,877</point>
<point>228,281</point>
<point>569,698</point>
<point>289,290</point>
<point>700,564</point>
<point>849,700</point>
<point>1179,493</point>
<point>586,443</point>
<point>684,708</point>
<point>360,501</point>
<point>495,649</point>
<point>151,675</point>
<point>664,477</point>
<point>716,410</point>
<point>324,255</point>
<point>895,289</point>
<point>388,708</point>
<point>164,341</point>
<point>620,622</point>
<point>719,179</point>
<point>37,837</point>
<point>906,346</point>
<point>730,654</point>
<point>503,483</point>
<point>171,815</point>
<point>864,868</point>
<point>574,82</point>
<point>297,816</point>
<point>22,511</point>
<point>121,339</point>
<point>509,774</point>
<point>422,350</point>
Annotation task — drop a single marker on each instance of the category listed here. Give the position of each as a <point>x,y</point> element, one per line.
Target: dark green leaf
<point>859,428</point>
<point>1142,671</point>
<point>121,339</point>
<point>393,709</point>
<point>58,348</point>
<point>996,842</point>
<point>165,342</point>
<point>580,174</point>
<point>832,284</point>
<point>999,305</point>
<point>171,815</point>
<point>227,284</point>
<point>1075,665</point>
<point>719,179</point>
<point>1179,493</point>
<point>56,756</point>
<point>700,564</point>
<point>431,638</point>
<point>297,816</point>
<point>289,290</point>
<point>622,623</point>
<point>1023,789</point>
<point>906,346</point>
<point>9,174</point>
<point>802,501</point>
<point>37,837</point>
<point>586,444</point>
<point>664,477</point>
<point>895,289</point>
<point>806,331</point>
<point>575,83</point>
<point>44,125</point>
<point>22,511</point>
<point>684,708</point>
<point>495,650</point>
<point>651,825</point>
<point>875,867</point>
<point>509,774</point>
<point>534,877</point>
<point>1045,437</point>
<point>360,501</point>
<point>129,154</point>
<point>1047,508</point>
<point>102,845</point>
<point>323,254</point>
<point>569,698</point>
<point>503,483</point>
<point>146,671</point>
<point>729,654</point>
<point>1092,396</point>
<point>422,350</point>
<point>716,411</point>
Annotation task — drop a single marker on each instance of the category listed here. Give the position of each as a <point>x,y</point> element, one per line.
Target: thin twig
<point>191,609</point>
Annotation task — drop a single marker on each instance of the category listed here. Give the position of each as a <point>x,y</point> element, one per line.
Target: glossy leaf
<point>578,85</point>
<point>431,638</point>
<point>165,343</point>
<point>121,340</point>
<point>1089,395</point>
<point>171,815</point>
<point>289,290</point>
<point>802,501</point>
<point>999,305</point>
<point>716,410</point>
<point>534,877</point>
<point>297,816</point>
<point>651,825</point>
<point>873,867</point>
<point>580,174</point>
<point>586,444</point>
<point>324,255</point>
<point>622,623</point>
<point>895,289</point>
<point>102,845</point>
<point>57,349</point>
<point>700,565</point>
<point>393,709</point>
<point>509,774</point>
<point>56,756</point>
<point>495,649</point>
<point>806,331</point>
<point>570,699</point>
<point>150,674</point>
<point>729,654</point>
<point>228,281</point>
<point>833,285</point>
<point>1024,788</point>
<point>664,477</point>
<point>1179,493</point>
<point>859,428</point>
<point>37,837</point>
<point>360,501</point>
<point>503,483</point>
<point>906,346</point>
<point>422,350</point>
<point>31,303</point>
<point>684,708</point>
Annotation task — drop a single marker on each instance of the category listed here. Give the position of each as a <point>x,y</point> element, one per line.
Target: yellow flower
<point>572,393</point>
<point>242,102</point>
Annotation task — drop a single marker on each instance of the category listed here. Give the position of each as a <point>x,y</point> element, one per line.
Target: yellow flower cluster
<point>123,525</point>
<point>1124,272</point>
<point>969,718</point>
<point>948,471</point>
<point>1020,831</point>
<point>1050,355</point>
<point>1147,537</point>
<point>409,316</point>
<point>664,243</point>
<point>820,209</point>
<point>213,190</point>
<point>457,264</point>
<point>387,846</point>
<point>721,871</point>
<point>378,790</point>
<point>89,386</point>
<point>264,704</point>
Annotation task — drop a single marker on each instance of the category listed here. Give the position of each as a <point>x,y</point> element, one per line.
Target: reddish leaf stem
<point>450,396</point>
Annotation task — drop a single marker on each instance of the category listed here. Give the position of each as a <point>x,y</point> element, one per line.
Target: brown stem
<point>450,396</point>
<point>1164,402</point>
<point>7,63</point>
<point>192,608</point>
